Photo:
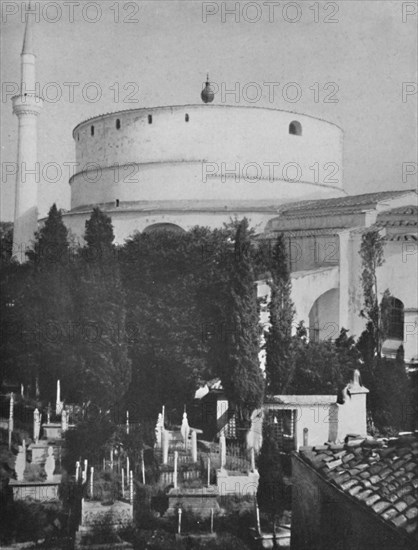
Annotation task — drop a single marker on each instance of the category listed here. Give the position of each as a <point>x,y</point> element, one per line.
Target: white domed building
<point>176,167</point>
<point>181,166</point>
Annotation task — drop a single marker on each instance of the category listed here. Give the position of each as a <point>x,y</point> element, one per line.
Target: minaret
<point>27,106</point>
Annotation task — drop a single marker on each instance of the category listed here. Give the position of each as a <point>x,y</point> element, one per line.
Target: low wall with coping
<point>237,484</point>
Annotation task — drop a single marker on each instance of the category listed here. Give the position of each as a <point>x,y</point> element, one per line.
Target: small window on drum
<point>186,117</point>
<point>149,119</point>
<point>92,130</point>
<point>295,128</point>
<point>117,203</point>
<point>117,124</point>
<point>78,137</point>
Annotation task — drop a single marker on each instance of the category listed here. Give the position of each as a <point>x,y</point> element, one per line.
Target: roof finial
<point>207,94</point>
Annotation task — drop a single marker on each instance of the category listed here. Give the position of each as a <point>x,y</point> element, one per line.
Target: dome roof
<point>207,94</point>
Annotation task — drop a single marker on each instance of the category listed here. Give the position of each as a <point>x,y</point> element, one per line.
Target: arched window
<point>149,119</point>
<point>92,130</point>
<point>117,203</point>
<point>295,128</point>
<point>395,319</point>
<point>186,117</point>
<point>78,136</point>
<point>117,124</point>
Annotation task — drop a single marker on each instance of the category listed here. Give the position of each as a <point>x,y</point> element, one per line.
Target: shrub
<point>144,516</point>
<point>24,521</point>
<point>34,472</point>
<point>89,440</point>
<point>106,487</point>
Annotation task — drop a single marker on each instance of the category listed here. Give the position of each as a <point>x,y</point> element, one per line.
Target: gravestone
<point>50,464</point>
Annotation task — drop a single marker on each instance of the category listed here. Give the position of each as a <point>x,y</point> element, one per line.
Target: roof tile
<point>412,513</point>
<point>363,495</point>
<point>399,521</point>
<point>342,478</point>
<point>374,479</point>
<point>390,513</point>
<point>400,505</point>
<point>409,499</point>
<point>349,484</point>
<point>371,500</point>
<point>380,506</point>
<point>347,457</point>
<point>376,468</point>
<point>334,464</point>
<point>355,490</point>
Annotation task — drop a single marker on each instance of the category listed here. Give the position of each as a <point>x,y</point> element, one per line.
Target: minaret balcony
<point>27,104</point>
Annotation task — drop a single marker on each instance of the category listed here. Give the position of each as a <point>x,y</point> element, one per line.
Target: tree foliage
<point>58,309</point>
<point>100,345</point>
<point>99,234</point>
<point>240,373</point>
<point>271,486</point>
<point>386,378</point>
<point>164,275</point>
<point>6,241</point>
<point>51,248</point>
<point>371,253</point>
<point>282,311</point>
<point>43,299</point>
<point>323,367</point>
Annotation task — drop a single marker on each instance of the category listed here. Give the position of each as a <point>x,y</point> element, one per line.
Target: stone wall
<point>237,484</point>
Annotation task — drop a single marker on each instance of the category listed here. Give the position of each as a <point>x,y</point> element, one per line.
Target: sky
<point>353,63</point>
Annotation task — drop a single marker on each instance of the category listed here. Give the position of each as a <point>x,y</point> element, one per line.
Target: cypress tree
<point>49,307</point>
<point>371,253</point>
<point>51,242</point>
<point>103,365</point>
<point>241,374</point>
<point>271,486</point>
<point>282,311</point>
<point>99,234</point>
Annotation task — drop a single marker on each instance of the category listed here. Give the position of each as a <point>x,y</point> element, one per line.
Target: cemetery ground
<point>103,502</point>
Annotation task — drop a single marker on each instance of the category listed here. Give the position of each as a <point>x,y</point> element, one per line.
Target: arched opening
<point>149,119</point>
<point>295,128</point>
<point>186,117</point>
<point>393,317</point>
<point>170,227</point>
<point>92,130</point>
<point>324,316</point>
<point>117,203</point>
<point>117,124</point>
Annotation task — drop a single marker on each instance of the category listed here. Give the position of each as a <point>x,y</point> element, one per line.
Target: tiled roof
<point>381,475</point>
<point>362,202</point>
<point>407,215</point>
<point>401,223</point>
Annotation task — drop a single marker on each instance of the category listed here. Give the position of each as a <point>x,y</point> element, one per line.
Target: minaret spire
<point>28,38</point>
<point>26,106</point>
